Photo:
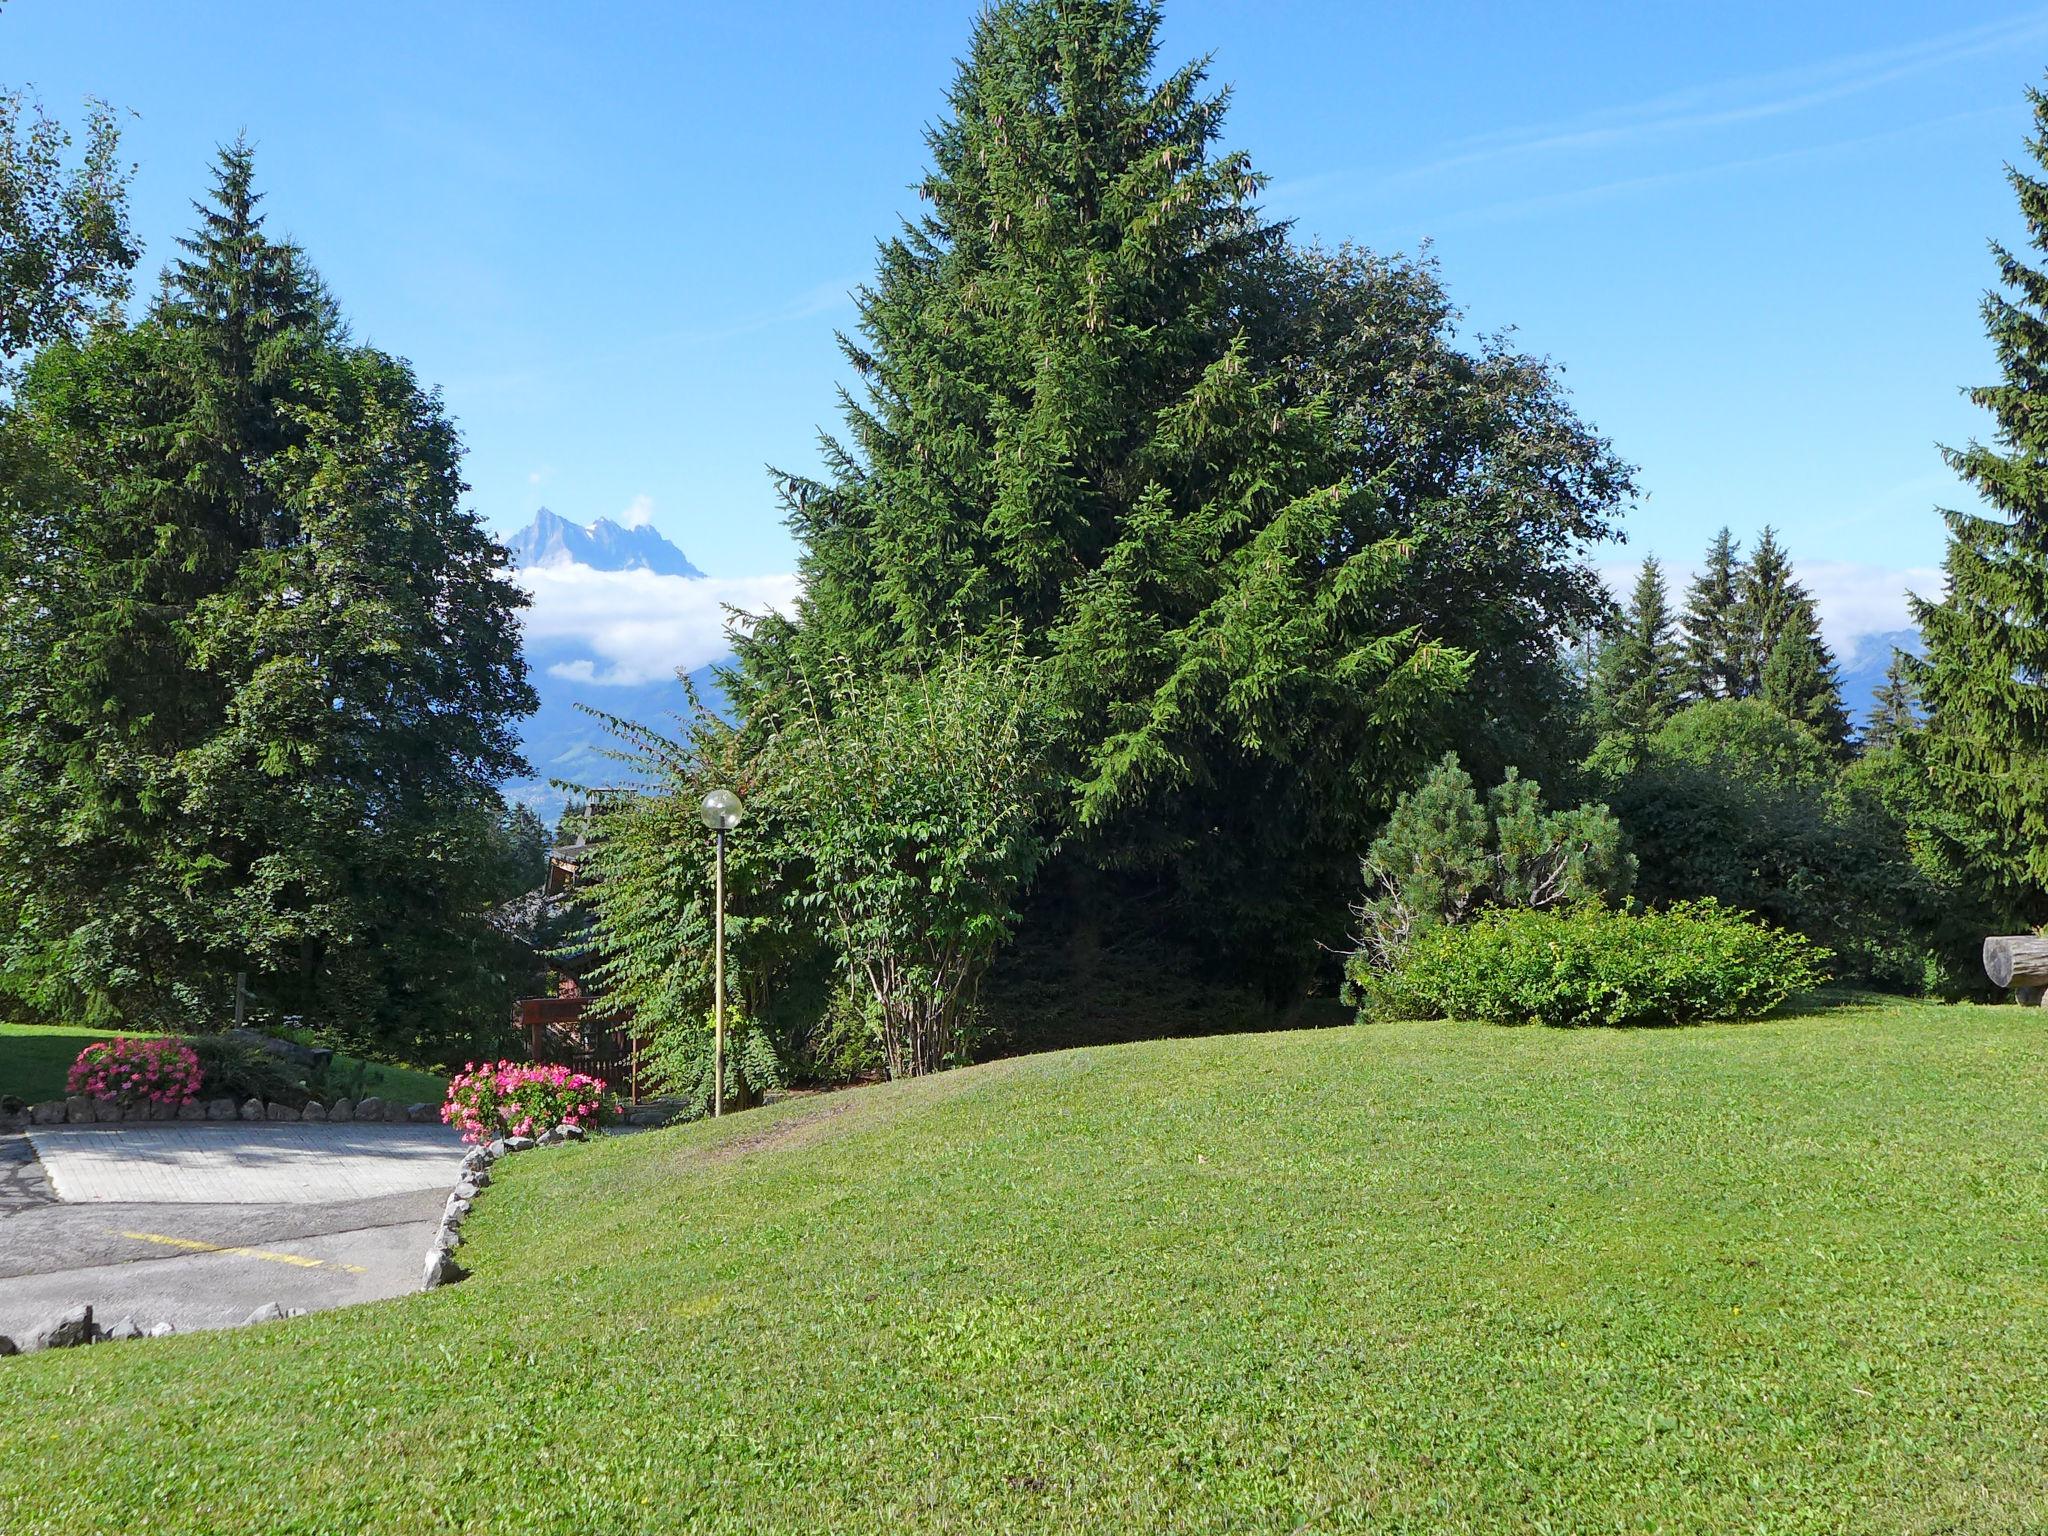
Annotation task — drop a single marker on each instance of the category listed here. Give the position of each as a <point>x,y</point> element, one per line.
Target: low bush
<point>133,1071</point>
<point>235,1069</point>
<point>1686,964</point>
<point>507,1098</point>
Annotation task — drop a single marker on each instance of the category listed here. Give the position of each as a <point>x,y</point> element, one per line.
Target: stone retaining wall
<point>79,1110</point>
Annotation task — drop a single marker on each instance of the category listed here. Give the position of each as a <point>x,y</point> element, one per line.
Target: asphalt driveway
<point>200,1225</point>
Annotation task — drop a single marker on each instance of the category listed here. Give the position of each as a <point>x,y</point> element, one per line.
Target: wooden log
<point>2016,960</point>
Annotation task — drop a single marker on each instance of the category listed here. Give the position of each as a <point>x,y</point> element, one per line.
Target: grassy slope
<point>1787,1277</point>
<point>35,1057</point>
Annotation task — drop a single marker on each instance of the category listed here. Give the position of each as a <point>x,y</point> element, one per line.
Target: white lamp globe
<point>720,810</point>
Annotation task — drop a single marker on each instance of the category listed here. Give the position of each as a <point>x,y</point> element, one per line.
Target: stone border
<point>442,1267</point>
<point>80,1110</point>
<point>76,1327</point>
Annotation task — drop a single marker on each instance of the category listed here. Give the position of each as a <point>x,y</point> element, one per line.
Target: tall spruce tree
<point>1769,599</point>
<point>1086,413</point>
<point>1711,623</point>
<point>1801,681</point>
<point>260,667</point>
<point>1895,714</point>
<point>1984,679</point>
<point>1636,681</point>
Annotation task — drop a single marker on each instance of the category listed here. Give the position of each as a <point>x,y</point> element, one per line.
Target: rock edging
<point>76,1327</point>
<point>80,1110</point>
<point>442,1267</point>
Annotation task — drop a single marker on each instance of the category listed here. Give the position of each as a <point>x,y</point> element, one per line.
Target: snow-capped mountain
<point>589,583</point>
<point>604,545</point>
<point>1864,663</point>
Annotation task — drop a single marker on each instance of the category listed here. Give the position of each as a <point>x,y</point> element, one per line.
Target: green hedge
<point>1691,962</point>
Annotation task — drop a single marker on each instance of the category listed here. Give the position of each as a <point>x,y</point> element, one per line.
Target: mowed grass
<point>35,1057</point>
<point>1787,1277</point>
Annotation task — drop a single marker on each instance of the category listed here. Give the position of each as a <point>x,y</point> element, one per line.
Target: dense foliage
<point>917,801</point>
<point>65,246</point>
<point>1257,514</point>
<point>1683,964</point>
<point>644,891</point>
<point>1446,856</point>
<point>260,669</point>
<point>1984,681</point>
<point>1731,800</point>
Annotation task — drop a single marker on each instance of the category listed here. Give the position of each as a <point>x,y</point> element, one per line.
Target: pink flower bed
<point>134,1072</point>
<point>509,1098</point>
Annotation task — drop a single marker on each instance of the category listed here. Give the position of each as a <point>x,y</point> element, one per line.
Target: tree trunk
<point>2016,960</point>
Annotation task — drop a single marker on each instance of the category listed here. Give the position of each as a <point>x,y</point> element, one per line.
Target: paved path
<point>244,1164</point>
<point>234,1217</point>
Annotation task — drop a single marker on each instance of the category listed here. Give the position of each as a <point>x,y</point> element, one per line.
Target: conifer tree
<point>1768,600</point>
<point>1093,408</point>
<point>1801,681</point>
<point>1065,429</point>
<point>1636,679</point>
<point>1896,713</point>
<point>1984,680</point>
<point>1710,622</point>
<point>259,667</point>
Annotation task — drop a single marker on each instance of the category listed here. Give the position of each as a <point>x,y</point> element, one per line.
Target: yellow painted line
<point>193,1245</point>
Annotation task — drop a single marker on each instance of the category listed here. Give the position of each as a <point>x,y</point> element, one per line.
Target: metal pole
<point>718,971</point>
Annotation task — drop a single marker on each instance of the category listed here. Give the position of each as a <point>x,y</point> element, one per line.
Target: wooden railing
<point>557,1033</point>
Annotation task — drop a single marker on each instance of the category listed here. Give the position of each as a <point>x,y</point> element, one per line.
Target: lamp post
<point>720,811</point>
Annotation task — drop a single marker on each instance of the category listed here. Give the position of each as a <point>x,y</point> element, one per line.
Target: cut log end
<point>2016,960</point>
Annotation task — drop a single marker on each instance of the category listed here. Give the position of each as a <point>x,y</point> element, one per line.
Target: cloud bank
<point>624,628</point>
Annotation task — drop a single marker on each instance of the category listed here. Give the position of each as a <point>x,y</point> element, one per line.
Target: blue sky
<point>620,237</point>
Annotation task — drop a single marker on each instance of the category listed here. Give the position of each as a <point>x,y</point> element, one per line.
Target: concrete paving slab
<point>253,1163</point>
<point>194,1282</point>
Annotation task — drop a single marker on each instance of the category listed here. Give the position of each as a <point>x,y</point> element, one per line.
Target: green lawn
<point>1789,1277</point>
<point>35,1057</point>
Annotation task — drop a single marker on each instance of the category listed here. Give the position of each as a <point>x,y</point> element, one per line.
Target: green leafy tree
<point>1636,678</point>
<point>1445,857</point>
<point>1732,800</point>
<point>1984,680</point>
<point>1097,405</point>
<point>65,245</point>
<point>917,800</point>
<point>645,890</point>
<point>261,668</point>
<point>1712,671</point>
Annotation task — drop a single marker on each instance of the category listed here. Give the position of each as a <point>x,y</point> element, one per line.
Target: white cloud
<point>639,512</point>
<point>1855,600</point>
<point>636,626</point>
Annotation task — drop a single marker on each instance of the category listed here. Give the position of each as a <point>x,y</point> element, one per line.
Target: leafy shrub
<point>235,1069</point>
<point>1689,963</point>
<point>507,1098</point>
<point>681,1063</point>
<point>1445,857</point>
<point>916,800</point>
<point>1730,800</point>
<point>132,1072</point>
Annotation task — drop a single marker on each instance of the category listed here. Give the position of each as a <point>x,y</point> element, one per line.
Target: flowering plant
<point>509,1098</point>
<point>131,1072</point>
